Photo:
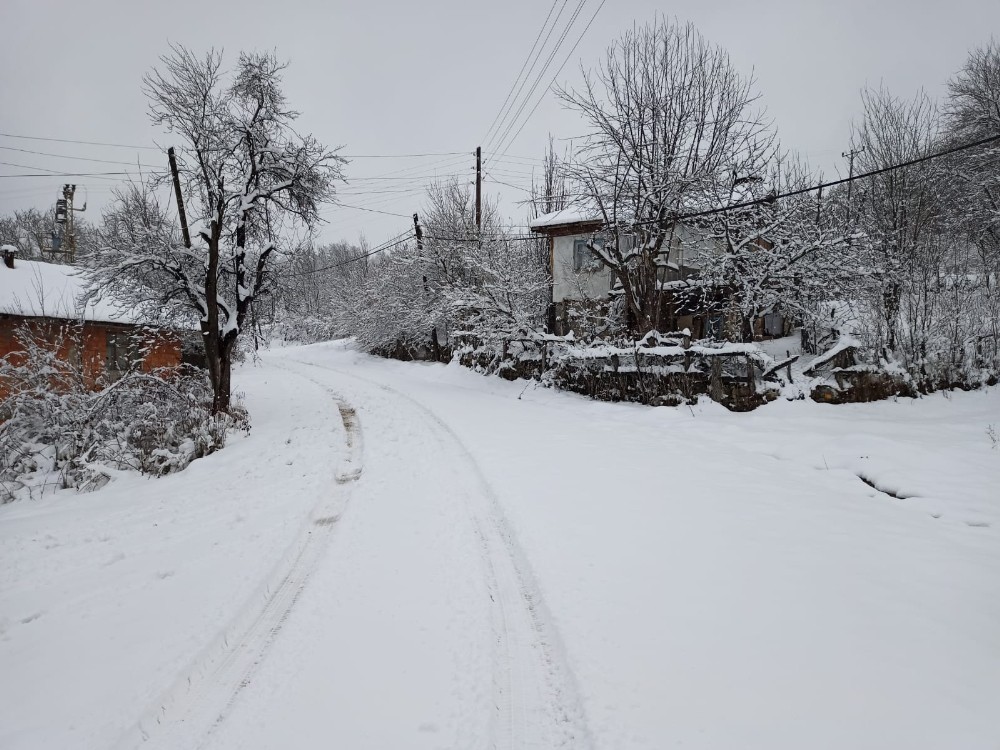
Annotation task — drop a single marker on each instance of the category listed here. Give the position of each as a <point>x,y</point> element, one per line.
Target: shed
<point>104,336</point>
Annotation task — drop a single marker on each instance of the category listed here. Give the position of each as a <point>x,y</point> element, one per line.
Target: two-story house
<point>580,282</point>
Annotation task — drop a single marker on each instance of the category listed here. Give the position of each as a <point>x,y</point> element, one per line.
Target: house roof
<point>34,289</point>
<point>564,217</point>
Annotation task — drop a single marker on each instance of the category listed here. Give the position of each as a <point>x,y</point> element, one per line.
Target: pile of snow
<point>569,215</point>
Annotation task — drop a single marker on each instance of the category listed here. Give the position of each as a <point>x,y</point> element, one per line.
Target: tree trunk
<point>223,392</point>
<point>214,350</point>
<point>220,403</point>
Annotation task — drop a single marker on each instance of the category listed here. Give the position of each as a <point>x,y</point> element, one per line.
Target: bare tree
<point>551,193</point>
<point>899,211</point>
<point>482,282</point>
<point>972,114</point>
<point>781,255</point>
<point>673,127</point>
<point>248,179</point>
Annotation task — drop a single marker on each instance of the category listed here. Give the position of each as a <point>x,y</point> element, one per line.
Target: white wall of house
<point>591,282</point>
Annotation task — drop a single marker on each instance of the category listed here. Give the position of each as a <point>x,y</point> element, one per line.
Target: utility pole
<point>849,155</point>
<point>64,215</point>
<point>419,233</point>
<point>435,344</point>
<point>180,198</point>
<point>479,188</point>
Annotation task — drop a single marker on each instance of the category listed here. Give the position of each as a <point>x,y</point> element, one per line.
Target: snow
<point>844,343</point>
<point>476,563</point>
<point>36,289</point>
<point>568,215</point>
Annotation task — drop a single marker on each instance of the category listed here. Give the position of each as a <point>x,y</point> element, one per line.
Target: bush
<point>60,430</point>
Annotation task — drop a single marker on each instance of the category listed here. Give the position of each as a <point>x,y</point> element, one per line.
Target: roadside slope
<point>107,598</point>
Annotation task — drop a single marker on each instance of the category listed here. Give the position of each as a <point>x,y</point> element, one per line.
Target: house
<point>580,282</point>
<point>105,338</point>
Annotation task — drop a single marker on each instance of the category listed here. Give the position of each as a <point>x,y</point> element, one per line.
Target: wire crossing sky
<point>410,89</point>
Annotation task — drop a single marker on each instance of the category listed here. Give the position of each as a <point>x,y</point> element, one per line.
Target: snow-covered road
<point>422,627</point>
<point>405,555</point>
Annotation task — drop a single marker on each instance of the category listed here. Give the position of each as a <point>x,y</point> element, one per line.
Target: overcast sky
<point>386,78</point>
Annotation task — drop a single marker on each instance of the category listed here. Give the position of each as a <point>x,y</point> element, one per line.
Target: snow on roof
<point>569,215</point>
<point>34,289</point>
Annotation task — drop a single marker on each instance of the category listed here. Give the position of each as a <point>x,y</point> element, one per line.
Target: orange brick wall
<point>90,343</point>
<point>165,352</point>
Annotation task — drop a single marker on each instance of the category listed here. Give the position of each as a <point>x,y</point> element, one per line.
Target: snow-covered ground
<point>406,555</point>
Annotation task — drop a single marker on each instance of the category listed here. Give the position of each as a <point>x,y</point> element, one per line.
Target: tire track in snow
<point>201,699</point>
<point>536,704</point>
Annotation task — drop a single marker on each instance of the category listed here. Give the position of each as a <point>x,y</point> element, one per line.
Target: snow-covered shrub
<point>457,280</point>
<point>60,429</point>
<point>307,329</point>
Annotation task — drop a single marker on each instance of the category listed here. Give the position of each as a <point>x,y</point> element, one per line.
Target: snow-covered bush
<point>61,429</point>
<point>481,282</point>
<point>302,330</point>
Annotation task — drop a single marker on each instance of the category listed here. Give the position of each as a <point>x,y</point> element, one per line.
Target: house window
<point>122,352</point>
<point>583,258</point>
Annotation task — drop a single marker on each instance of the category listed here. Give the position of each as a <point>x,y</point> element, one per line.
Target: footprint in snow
<point>117,557</point>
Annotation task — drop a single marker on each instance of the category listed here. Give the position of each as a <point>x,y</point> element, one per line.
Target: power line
<point>65,174</point>
<point>511,140</point>
<point>834,183</point>
<point>531,69</point>
<point>521,71</point>
<point>498,237</point>
<point>157,148</point>
<point>389,244</point>
<point>389,191</point>
<point>79,158</point>
<point>370,210</point>
<point>541,73</point>
<point>447,163</point>
<point>501,182</point>
<point>403,179</point>
<point>85,143</point>
<point>400,156</point>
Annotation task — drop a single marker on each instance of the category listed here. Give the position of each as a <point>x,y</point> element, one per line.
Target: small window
<point>585,260</point>
<point>122,352</point>
<point>582,257</point>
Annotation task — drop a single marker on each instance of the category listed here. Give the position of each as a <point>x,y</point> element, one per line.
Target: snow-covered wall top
<point>34,289</point>
<point>570,215</point>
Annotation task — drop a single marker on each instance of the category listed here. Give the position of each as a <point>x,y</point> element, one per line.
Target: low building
<point>580,282</point>
<point>106,339</point>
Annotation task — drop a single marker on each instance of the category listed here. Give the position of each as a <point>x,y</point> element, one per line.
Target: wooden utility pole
<point>479,188</point>
<point>418,232</point>
<point>180,198</point>
<point>435,344</point>
<point>849,155</point>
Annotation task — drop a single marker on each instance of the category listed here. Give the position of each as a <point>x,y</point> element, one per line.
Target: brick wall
<point>87,343</point>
